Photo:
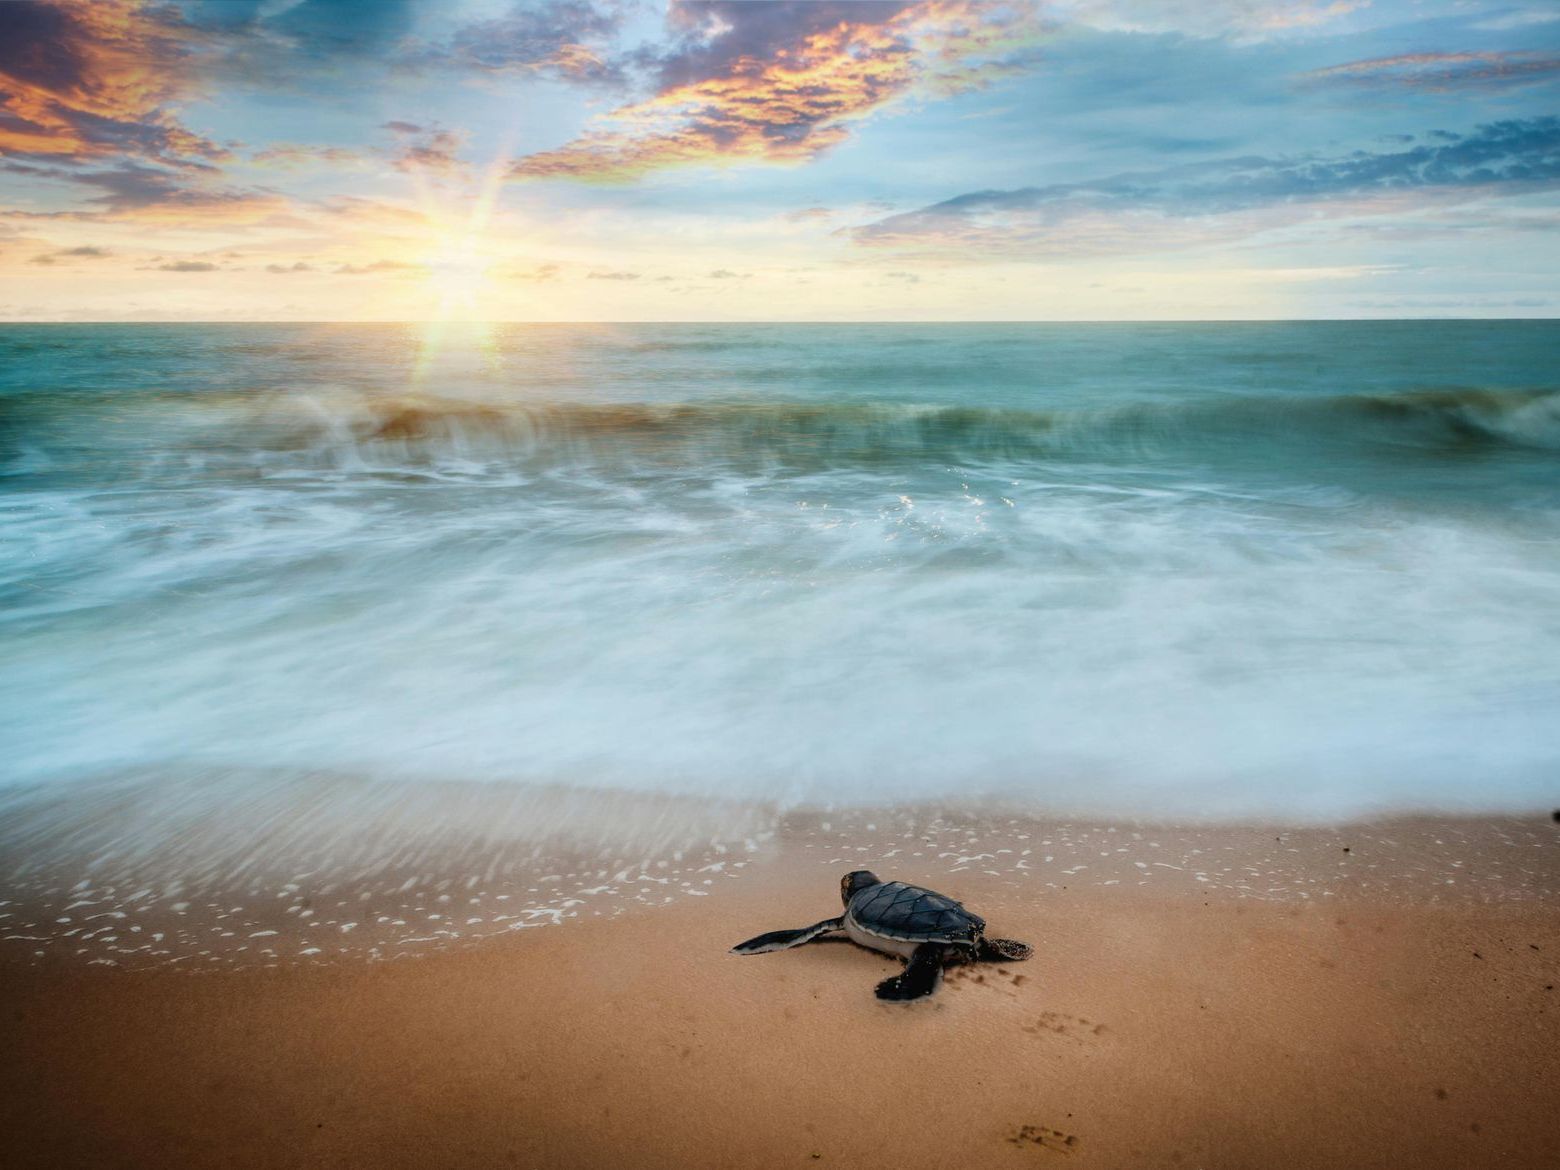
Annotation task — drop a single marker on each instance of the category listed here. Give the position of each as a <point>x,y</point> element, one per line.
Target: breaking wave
<point>348,430</point>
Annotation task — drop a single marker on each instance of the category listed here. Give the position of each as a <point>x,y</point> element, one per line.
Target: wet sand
<point>1321,1018</point>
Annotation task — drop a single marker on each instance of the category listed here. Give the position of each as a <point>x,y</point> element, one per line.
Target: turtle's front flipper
<point>920,978</point>
<point>1003,950</point>
<point>779,940</point>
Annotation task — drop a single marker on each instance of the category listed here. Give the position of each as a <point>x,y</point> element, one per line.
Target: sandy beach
<point>1385,1015</point>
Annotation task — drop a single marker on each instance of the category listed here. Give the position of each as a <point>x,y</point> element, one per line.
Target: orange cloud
<point>790,97</point>
<point>86,79</point>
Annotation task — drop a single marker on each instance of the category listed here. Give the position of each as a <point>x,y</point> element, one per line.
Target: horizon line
<point>783,321</point>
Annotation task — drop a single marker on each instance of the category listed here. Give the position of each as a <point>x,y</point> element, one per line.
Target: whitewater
<point>1187,570</point>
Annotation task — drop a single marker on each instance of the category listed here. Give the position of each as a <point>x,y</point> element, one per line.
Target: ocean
<point>1211,571</point>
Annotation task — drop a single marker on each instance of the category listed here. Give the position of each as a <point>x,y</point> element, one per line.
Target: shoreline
<point>1394,1022</point>
<point>311,869</point>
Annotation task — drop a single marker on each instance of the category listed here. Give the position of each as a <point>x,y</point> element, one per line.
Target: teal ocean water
<point>1217,570</point>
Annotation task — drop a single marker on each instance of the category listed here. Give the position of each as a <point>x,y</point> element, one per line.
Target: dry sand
<point>1392,1022</point>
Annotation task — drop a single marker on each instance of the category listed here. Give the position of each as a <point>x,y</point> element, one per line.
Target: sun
<point>457,334</point>
<point>460,250</point>
<point>457,276</point>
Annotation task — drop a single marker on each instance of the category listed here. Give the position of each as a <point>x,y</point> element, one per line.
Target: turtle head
<point>856,881</point>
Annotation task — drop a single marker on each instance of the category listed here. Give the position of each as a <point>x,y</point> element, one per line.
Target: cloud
<point>554,38</point>
<point>1458,303</point>
<point>426,148</point>
<point>84,252</point>
<point>415,148</point>
<point>360,211</point>
<point>804,214</point>
<point>1518,18</point>
<point>1443,71</point>
<point>537,272</point>
<point>296,266</point>
<point>293,154</point>
<point>1483,219</point>
<point>294,44</point>
<point>1246,20</point>
<point>781,82</point>
<point>377,266</point>
<point>136,191</point>
<point>89,91</point>
<point>727,274</point>
<point>327,28</point>
<point>1184,205</point>
<point>612,275</point>
<point>276,45</point>
<point>91,79</point>
<point>187,266</point>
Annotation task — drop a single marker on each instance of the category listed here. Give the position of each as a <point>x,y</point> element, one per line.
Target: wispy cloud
<point>295,154</point>
<point>280,45</point>
<point>524,272</point>
<point>1443,71</point>
<point>135,190</point>
<point>377,213</point>
<point>148,193</point>
<point>1242,19</point>
<point>782,82</point>
<point>411,148</point>
<point>84,252</point>
<point>378,266</point>
<point>1518,18</point>
<point>568,39</point>
<point>1183,205</point>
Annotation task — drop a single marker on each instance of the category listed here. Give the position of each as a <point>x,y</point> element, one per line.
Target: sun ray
<point>457,264</point>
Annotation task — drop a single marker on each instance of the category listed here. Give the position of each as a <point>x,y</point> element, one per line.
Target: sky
<point>834,160</point>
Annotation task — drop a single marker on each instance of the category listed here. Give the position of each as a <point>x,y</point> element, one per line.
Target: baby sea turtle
<point>917,924</point>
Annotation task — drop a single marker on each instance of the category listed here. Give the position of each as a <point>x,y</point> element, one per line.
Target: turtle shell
<point>897,910</point>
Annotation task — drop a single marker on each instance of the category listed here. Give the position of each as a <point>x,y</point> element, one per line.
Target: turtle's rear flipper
<point>1003,950</point>
<point>779,940</point>
<point>920,978</point>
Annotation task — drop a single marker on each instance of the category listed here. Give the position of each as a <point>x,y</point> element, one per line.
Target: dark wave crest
<point>788,433</point>
<point>355,430</point>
